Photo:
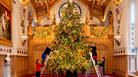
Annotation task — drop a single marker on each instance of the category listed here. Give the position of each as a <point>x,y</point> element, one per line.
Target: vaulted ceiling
<point>96,7</point>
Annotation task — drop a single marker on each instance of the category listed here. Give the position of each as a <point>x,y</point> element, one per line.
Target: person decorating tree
<point>38,67</point>
<point>45,54</point>
<point>94,53</point>
<point>102,65</point>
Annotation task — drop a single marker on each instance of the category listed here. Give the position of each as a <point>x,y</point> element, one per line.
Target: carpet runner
<point>80,75</point>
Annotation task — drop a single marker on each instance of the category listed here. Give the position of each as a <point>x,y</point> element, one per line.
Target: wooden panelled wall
<point>19,66</point>
<point>35,52</point>
<point>2,66</point>
<point>105,49</point>
<point>121,65</point>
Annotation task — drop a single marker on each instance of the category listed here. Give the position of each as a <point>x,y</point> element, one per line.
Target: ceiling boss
<point>117,2</point>
<point>70,1</point>
<point>24,2</point>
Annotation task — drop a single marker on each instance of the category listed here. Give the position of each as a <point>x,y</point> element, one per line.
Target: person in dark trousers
<point>38,67</point>
<point>71,74</point>
<point>94,53</point>
<point>68,73</point>
<point>102,65</point>
<point>45,54</point>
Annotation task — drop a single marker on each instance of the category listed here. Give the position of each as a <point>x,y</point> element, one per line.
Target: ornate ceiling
<point>96,7</point>
<point>42,7</point>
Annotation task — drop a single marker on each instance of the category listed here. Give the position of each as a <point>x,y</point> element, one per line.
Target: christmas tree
<point>70,48</point>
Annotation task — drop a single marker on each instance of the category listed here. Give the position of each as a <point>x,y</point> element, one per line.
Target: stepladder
<point>96,67</point>
<point>45,64</point>
<point>44,67</point>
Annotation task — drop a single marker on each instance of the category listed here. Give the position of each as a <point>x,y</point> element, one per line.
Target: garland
<point>100,34</point>
<point>43,34</point>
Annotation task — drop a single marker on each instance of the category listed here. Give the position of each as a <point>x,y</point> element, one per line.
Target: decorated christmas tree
<point>70,48</point>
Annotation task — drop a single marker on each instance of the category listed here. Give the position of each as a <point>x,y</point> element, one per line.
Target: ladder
<point>95,66</point>
<point>44,67</point>
<point>46,61</point>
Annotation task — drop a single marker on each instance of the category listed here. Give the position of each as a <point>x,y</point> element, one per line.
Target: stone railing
<point>21,52</point>
<point>5,50</point>
<point>12,51</point>
<point>119,52</point>
<point>123,51</point>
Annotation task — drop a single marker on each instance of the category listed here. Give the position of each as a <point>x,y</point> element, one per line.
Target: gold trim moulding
<point>5,42</point>
<point>6,5</point>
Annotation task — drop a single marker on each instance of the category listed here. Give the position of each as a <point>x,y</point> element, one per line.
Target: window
<point>132,59</point>
<point>132,24</point>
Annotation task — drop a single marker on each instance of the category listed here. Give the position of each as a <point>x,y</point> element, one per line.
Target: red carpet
<point>80,75</point>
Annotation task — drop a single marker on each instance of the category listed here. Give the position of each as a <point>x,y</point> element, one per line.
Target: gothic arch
<point>55,9</point>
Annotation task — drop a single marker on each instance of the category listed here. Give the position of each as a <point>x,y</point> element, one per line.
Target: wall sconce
<point>117,39</point>
<point>23,39</point>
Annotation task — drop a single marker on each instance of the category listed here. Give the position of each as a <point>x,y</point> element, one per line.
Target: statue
<point>7,66</point>
<point>8,59</point>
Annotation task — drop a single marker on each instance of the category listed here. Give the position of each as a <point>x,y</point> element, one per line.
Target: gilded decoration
<point>43,35</point>
<point>24,2</point>
<point>99,32</point>
<point>117,2</point>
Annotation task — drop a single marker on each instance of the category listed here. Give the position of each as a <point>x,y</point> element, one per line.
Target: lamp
<point>8,59</point>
